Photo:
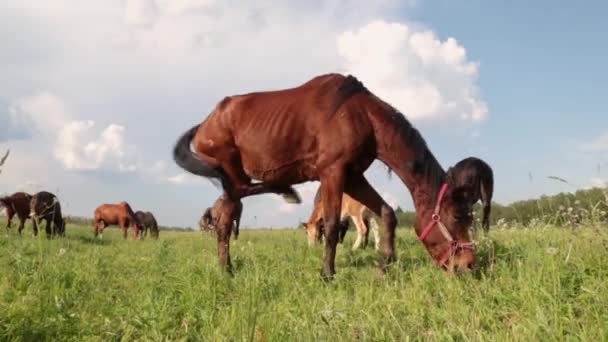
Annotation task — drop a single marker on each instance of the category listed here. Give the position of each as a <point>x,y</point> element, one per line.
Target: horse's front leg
<point>332,185</point>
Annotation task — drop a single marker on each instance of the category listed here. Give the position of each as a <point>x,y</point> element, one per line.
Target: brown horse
<point>329,129</point>
<point>219,213</point>
<point>362,217</point>
<point>16,204</point>
<point>119,214</point>
<point>478,176</point>
<point>45,206</point>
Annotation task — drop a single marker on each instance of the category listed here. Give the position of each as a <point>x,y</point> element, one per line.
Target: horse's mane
<point>425,164</point>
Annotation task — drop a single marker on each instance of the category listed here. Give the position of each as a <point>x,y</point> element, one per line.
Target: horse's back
<point>277,132</point>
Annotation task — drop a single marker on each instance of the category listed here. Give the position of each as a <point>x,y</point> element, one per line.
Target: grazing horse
<point>329,129</point>
<point>45,206</point>
<point>478,176</point>
<point>360,214</point>
<point>219,213</point>
<point>147,222</point>
<point>119,214</point>
<point>16,204</point>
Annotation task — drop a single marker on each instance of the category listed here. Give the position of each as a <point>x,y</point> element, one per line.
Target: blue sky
<point>93,94</point>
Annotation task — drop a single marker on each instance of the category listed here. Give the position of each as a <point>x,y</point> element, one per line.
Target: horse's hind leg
<point>361,232</point>
<point>22,226</point>
<point>240,184</point>
<point>34,226</point>
<point>47,228</point>
<point>359,188</point>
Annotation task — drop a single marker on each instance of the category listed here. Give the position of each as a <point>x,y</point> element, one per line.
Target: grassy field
<point>546,284</point>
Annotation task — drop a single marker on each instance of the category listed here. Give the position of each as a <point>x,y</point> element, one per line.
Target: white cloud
<point>42,113</point>
<point>599,144</point>
<point>413,70</point>
<point>77,145</point>
<point>79,148</point>
<point>597,183</point>
<point>141,13</point>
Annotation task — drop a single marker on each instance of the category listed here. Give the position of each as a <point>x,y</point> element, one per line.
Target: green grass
<point>547,285</point>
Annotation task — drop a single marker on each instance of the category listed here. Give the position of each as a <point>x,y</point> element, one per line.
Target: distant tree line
<point>563,209</point>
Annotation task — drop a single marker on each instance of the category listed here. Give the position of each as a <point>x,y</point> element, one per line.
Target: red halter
<point>436,220</point>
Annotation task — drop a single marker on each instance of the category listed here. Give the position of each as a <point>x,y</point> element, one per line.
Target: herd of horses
<point>329,129</point>
<point>45,206</point>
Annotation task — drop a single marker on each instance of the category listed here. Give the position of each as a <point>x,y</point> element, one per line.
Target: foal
<point>360,214</point>
<point>478,176</point>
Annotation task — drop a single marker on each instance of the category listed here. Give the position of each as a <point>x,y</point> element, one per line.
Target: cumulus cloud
<point>79,148</point>
<point>599,144</point>
<point>78,145</point>
<point>141,13</point>
<point>422,76</point>
<point>597,183</point>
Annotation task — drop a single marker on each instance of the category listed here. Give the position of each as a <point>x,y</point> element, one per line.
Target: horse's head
<point>313,230</point>
<point>444,228</point>
<point>5,201</point>
<point>206,221</point>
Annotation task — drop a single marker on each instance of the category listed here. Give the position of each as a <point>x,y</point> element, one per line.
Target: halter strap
<point>436,220</point>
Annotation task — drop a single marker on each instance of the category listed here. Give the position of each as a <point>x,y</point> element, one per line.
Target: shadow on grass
<point>90,240</point>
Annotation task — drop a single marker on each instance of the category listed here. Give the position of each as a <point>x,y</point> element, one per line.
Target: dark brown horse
<point>478,176</point>
<point>119,214</point>
<point>329,129</point>
<point>16,204</point>
<point>148,222</point>
<point>45,206</point>
<point>222,210</point>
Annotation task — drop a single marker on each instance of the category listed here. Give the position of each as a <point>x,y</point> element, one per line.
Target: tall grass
<point>546,284</point>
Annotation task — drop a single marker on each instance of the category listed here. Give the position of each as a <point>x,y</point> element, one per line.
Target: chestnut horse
<point>147,222</point>
<point>478,175</point>
<point>362,217</point>
<point>45,206</point>
<point>329,129</point>
<point>16,204</point>
<point>119,214</point>
<point>218,213</point>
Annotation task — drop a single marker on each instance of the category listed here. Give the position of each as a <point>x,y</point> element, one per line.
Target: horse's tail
<point>486,192</point>
<point>189,161</point>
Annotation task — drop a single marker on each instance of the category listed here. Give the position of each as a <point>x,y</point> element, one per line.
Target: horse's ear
<point>449,175</point>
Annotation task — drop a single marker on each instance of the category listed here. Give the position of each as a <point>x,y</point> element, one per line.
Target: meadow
<point>541,284</point>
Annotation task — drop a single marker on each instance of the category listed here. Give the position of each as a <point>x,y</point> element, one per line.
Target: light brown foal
<point>359,213</point>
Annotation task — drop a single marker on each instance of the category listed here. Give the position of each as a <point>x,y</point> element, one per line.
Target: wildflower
<point>551,250</point>
<point>61,251</point>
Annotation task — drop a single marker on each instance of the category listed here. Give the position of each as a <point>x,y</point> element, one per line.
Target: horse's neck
<point>408,156</point>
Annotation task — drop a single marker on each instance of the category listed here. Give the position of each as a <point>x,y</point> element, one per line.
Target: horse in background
<point>223,209</point>
<point>148,222</point>
<point>329,129</point>
<point>45,206</point>
<point>119,214</point>
<point>477,175</point>
<point>361,216</point>
<point>16,204</point>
